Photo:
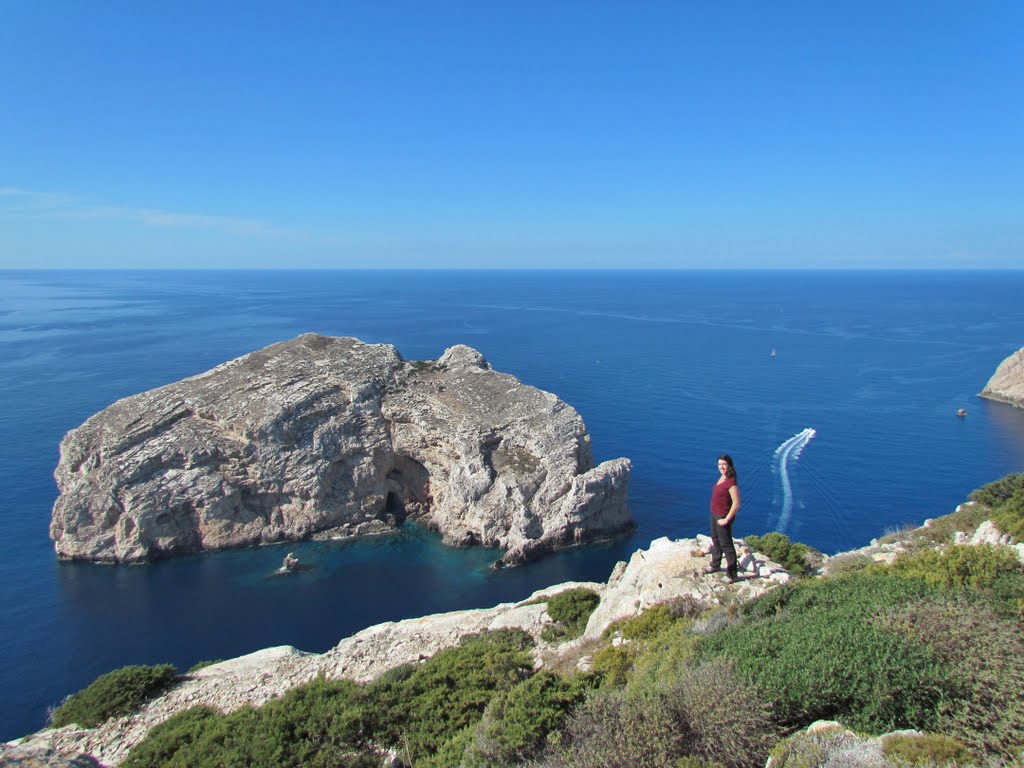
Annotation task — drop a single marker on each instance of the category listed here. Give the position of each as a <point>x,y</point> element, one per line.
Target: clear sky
<point>493,133</point>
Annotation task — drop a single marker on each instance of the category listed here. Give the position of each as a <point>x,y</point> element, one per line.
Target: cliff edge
<point>1007,383</point>
<point>332,436</point>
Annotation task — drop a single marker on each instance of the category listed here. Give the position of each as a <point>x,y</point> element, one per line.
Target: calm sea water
<point>667,368</point>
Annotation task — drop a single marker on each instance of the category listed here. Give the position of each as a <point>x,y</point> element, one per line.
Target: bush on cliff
<point>427,712</point>
<point>813,650</point>
<point>982,651</point>
<point>305,728</point>
<point>956,567</point>
<point>519,722</point>
<point>570,610</point>
<point>1005,498</point>
<point>707,715</point>
<point>114,694</point>
<point>449,693</point>
<point>791,555</point>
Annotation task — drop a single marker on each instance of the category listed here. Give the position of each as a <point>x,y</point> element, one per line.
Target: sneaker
<point>711,569</point>
<point>732,578</point>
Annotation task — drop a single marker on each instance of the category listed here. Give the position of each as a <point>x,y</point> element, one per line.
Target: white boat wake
<point>790,450</point>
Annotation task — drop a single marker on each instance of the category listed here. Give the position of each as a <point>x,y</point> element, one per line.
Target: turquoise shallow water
<point>669,369</point>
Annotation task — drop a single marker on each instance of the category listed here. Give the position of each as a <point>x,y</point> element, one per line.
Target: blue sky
<point>512,134</point>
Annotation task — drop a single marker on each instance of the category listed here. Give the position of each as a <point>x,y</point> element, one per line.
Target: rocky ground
<point>667,569</point>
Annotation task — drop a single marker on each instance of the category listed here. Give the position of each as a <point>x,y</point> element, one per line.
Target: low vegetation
<point>570,610</point>
<point>1005,500</point>
<point>793,556</point>
<point>932,642</point>
<point>114,694</point>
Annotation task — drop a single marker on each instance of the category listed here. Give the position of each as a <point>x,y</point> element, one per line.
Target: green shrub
<point>984,704</point>
<point>725,719</point>
<point>1005,498</point>
<point>996,493</point>
<point>303,729</point>
<point>695,762</point>
<point>651,622</point>
<point>613,730</point>
<point>518,723</point>
<point>114,694</point>
<point>812,749</point>
<point>1007,595</point>
<point>570,610</point>
<point>958,566</point>
<point>926,749</point>
<point>792,556</point>
<point>202,665</point>
<point>845,564</point>
<point>812,651</point>
<point>178,735</point>
<point>663,659</point>
<point>966,519</point>
<point>612,664</point>
<point>449,693</point>
<point>428,711</point>
<point>1009,517</point>
<point>709,716</point>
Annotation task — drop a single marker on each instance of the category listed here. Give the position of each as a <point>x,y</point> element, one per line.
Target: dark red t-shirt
<point>721,501</point>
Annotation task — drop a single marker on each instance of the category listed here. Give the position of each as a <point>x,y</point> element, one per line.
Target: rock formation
<point>332,436</point>
<point>1007,383</point>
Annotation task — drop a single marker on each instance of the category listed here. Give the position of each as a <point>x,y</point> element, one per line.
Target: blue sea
<point>835,392</point>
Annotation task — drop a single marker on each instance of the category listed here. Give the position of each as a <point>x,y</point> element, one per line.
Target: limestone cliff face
<point>323,435</point>
<point>1007,383</point>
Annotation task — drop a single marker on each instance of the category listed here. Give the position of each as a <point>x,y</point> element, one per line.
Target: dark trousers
<point>721,543</point>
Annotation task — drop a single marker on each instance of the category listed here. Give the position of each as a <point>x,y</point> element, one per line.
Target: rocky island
<point>1007,383</point>
<point>326,436</point>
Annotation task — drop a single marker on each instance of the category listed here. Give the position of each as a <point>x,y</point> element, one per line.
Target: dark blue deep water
<point>667,368</point>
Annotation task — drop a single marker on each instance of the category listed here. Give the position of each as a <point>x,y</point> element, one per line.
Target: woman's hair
<point>728,460</point>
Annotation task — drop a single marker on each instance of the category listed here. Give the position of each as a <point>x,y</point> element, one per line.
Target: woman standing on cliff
<point>725,502</point>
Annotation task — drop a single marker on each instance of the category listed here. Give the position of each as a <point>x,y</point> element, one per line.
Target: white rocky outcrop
<point>669,569</point>
<point>1007,383</point>
<point>325,436</point>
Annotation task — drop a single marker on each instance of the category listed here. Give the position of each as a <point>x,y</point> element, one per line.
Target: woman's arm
<point>734,494</point>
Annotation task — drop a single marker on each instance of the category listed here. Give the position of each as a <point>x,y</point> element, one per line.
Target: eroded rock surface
<point>332,436</point>
<point>1007,383</point>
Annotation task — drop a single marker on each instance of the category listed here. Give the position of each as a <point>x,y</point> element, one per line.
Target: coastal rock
<point>664,571</point>
<point>319,435</point>
<point>668,570</point>
<point>1007,383</point>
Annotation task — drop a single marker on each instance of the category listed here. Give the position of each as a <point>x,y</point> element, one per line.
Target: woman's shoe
<point>711,569</point>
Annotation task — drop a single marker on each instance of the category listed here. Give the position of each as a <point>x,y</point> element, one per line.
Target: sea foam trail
<point>790,450</point>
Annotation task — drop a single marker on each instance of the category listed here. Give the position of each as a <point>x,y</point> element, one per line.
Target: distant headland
<point>332,437</point>
<point>1007,383</point>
